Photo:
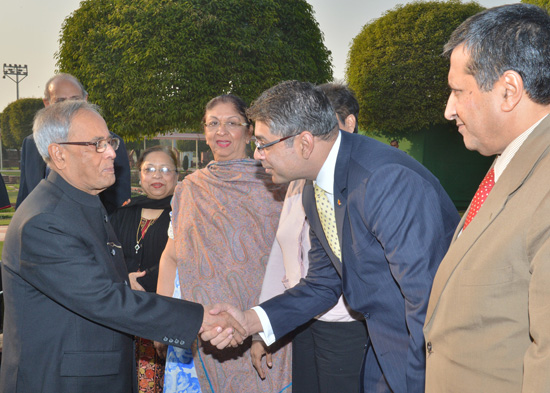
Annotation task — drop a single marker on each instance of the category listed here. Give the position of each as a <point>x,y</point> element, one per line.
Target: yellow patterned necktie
<point>328,220</point>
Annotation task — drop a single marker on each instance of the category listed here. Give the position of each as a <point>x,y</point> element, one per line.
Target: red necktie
<point>480,196</point>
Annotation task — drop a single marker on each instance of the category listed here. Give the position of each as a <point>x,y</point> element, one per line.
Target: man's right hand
<point>248,320</point>
<point>221,328</point>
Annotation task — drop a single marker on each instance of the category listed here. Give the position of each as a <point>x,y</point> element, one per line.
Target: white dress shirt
<point>325,180</point>
<point>504,159</point>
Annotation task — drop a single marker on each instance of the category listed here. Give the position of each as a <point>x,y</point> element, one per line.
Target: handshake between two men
<point>224,325</point>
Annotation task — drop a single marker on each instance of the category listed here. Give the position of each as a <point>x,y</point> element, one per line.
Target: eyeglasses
<point>215,125</point>
<point>261,146</point>
<point>100,145</point>
<point>163,170</point>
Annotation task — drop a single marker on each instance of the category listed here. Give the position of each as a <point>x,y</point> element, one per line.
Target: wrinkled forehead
<point>65,90</point>
<point>87,126</point>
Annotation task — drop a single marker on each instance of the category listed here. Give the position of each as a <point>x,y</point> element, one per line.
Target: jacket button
<point>429,346</point>
<point>105,218</point>
<point>367,315</point>
<point>113,252</point>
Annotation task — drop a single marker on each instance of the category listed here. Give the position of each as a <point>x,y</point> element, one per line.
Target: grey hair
<point>510,37</point>
<point>52,124</point>
<point>292,107</point>
<point>63,77</point>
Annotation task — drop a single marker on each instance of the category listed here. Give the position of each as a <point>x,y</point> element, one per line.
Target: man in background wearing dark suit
<point>59,88</point>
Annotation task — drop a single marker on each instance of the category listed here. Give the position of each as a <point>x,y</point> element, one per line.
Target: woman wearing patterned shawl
<point>224,219</point>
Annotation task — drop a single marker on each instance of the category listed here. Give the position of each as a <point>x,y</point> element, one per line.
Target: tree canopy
<point>17,119</point>
<point>396,69</point>
<point>152,65</point>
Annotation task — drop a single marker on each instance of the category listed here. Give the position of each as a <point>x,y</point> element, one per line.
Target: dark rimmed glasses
<point>261,146</point>
<point>100,145</point>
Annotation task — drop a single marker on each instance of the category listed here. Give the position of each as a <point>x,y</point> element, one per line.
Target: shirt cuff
<point>267,331</point>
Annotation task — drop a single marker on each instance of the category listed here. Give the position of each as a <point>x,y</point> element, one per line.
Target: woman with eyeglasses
<point>224,219</point>
<point>142,228</point>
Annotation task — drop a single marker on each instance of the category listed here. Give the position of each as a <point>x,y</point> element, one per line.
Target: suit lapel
<point>516,173</point>
<point>340,187</point>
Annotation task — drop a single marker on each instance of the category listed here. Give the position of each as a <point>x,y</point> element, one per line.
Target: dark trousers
<point>327,357</point>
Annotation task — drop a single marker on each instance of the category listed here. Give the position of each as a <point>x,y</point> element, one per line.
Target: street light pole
<point>18,71</point>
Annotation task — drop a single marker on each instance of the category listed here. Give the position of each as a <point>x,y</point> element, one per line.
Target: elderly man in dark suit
<point>380,225</point>
<point>70,314</point>
<point>59,88</point>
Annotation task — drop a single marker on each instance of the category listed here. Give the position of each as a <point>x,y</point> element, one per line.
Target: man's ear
<point>250,133</point>
<point>350,123</point>
<point>46,102</point>
<point>307,143</point>
<point>57,156</point>
<point>513,90</point>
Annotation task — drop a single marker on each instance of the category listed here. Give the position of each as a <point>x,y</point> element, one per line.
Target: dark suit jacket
<point>4,197</point>
<point>395,223</point>
<point>69,311</point>
<point>33,169</point>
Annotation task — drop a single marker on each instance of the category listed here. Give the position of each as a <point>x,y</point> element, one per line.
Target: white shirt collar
<point>504,159</point>
<point>325,178</point>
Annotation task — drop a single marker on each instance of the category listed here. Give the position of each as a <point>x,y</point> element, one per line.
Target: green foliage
<point>541,3</point>
<point>16,121</point>
<point>396,69</point>
<point>152,65</point>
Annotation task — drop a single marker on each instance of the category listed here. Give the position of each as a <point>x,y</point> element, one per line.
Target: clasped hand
<point>222,325</point>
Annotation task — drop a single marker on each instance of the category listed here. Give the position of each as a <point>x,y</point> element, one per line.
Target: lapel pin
<point>339,203</point>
